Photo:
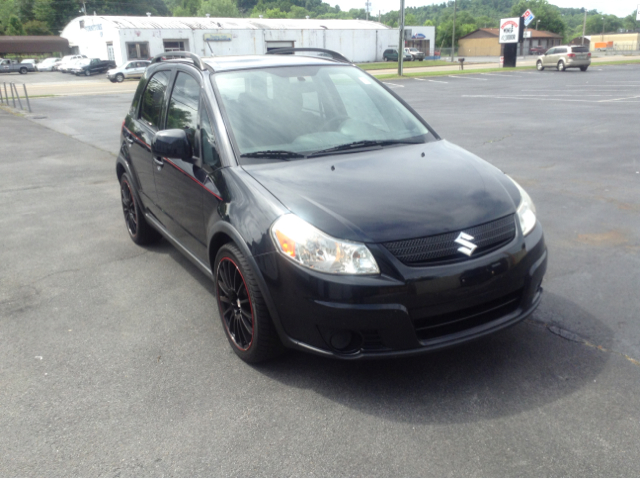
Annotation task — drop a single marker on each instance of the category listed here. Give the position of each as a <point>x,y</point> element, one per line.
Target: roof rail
<point>196,59</point>
<point>334,55</point>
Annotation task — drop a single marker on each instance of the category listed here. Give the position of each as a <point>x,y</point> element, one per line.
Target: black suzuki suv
<point>328,213</point>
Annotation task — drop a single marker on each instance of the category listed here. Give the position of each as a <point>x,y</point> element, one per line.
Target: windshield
<point>304,110</point>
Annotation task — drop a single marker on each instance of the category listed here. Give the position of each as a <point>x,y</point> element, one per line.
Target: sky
<point>621,8</point>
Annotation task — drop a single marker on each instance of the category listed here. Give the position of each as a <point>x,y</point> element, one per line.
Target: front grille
<point>443,248</point>
<point>461,320</point>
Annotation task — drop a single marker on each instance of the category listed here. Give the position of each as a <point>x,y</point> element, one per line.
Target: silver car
<point>132,69</point>
<point>565,56</point>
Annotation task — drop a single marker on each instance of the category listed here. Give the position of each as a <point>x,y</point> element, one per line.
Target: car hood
<point>392,193</point>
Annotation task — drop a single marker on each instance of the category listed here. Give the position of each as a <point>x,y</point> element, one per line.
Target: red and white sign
<point>509,30</point>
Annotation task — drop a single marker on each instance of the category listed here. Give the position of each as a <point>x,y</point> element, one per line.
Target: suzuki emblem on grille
<point>467,246</point>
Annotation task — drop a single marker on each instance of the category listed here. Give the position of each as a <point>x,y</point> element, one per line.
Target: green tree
<point>549,15</point>
<point>25,10</point>
<point>298,12</point>
<point>629,22</point>
<point>36,27</point>
<point>187,8</point>
<point>219,8</point>
<point>428,23</point>
<point>595,24</point>
<point>410,19</point>
<point>15,26</point>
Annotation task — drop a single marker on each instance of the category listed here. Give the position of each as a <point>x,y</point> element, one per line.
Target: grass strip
<point>416,64</point>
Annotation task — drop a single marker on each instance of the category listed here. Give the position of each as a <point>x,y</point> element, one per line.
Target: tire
<point>139,230</point>
<point>584,69</point>
<point>246,319</point>
<point>112,80</point>
<point>23,71</point>
<point>119,77</point>
<point>539,66</point>
<point>87,73</point>
<point>561,66</point>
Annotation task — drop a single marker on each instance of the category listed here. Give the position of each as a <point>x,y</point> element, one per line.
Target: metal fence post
<point>12,97</point>
<point>1,96</point>
<point>5,93</point>
<point>17,95</point>
<point>26,96</point>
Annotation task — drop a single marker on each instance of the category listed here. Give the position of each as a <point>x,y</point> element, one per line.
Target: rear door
<point>179,184</point>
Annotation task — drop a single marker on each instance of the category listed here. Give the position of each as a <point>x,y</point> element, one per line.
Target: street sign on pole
<point>638,14</point>
<point>528,17</point>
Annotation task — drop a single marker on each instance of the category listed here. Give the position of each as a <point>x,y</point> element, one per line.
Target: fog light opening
<point>345,341</point>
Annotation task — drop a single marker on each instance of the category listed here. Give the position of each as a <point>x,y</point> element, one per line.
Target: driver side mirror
<point>172,144</point>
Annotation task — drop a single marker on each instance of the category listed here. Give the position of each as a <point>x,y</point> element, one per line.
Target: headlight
<point>310,247</point>
<point>526,210</point>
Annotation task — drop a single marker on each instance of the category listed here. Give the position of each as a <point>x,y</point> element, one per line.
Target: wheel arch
<point>225,233</point>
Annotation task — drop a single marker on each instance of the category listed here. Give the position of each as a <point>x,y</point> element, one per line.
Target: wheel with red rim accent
<point>242,309</point>
<point>139,230</point>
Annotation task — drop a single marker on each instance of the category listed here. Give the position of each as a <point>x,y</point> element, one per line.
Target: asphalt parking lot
<point>113,361</point>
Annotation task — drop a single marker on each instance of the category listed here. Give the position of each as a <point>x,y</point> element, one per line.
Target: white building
<point>126,38</point>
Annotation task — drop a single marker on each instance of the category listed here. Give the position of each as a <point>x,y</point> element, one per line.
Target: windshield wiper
<point>279,154</point>
<point>363,144</point>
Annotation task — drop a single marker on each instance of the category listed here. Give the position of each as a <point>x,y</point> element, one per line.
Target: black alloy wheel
<point>235,303</point>
<point>242,308</point>
<point>139,230</point>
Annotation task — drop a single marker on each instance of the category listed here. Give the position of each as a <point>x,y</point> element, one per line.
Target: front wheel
<point>561,66</point>
<point>242,308</point>
<point>119,77</point>
<point>539,66</point>
<point>584,69</point>
<point>87,73</point>
<point>23,71</point>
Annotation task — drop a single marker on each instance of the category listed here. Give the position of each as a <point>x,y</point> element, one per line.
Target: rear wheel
<point>539,66</point>
<point>584,69</point>
<point>139,230</point>
<point>561,66</point>
<point>119,77</point>
<point>242,308</point>
<point>87,73</point>
<point>23,71</point>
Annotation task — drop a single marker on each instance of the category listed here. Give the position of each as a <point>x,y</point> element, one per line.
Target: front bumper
<point>405,310</point>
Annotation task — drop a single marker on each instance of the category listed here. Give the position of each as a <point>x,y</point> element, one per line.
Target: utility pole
<point>367,6</point>
<point>84,7</point>
<point>453,34</point>
<point>584,25</point>
<point>401,39</point>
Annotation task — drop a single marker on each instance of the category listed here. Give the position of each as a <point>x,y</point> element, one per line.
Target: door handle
<point>158,161</point>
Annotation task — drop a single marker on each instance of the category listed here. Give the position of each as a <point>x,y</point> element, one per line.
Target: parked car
<point>537,50</point>
<point>47,64</point>
<point>132,69</point>
<point>565,56</point>
<point>10,66</point>
<point>68,61</point>
<point>88,67</point>
<point>330,216</point>
<point>415,54</point>
<point>391,55</point>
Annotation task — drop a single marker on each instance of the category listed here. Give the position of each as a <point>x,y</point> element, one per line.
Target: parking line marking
<point>620,99</point>
<point>497,74</point>
<point>394,84</point>
<point>466,77</point>
<point>438,81</point>
<point>522,97</point>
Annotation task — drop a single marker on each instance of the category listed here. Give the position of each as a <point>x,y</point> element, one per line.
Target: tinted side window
<point>153,99</point>
<point>183,106</point>
<point>551,51</point>
<point>561,50</point>
<point>209,149</point>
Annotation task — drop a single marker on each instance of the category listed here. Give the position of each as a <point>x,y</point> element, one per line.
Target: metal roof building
<point>28,44</point>
<point>122,38</point>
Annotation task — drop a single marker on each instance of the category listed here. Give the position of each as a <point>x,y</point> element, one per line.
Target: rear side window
<point>153,99</point>
<point>183,106</point>
<point>580,49</point>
